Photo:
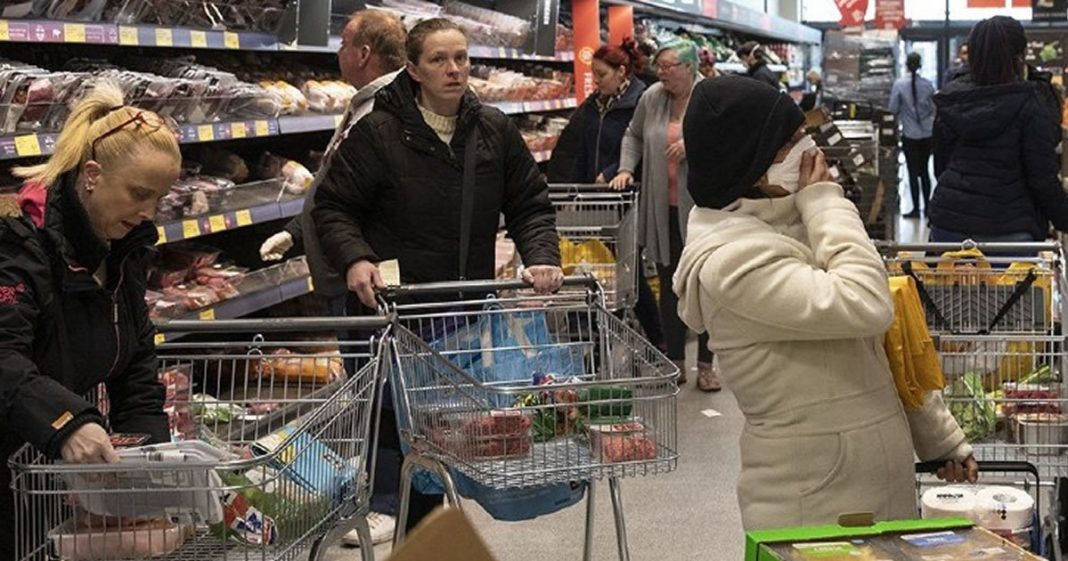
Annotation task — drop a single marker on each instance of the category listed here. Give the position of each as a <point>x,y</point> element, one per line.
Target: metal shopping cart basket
<point>270,459</point>
<point>598,230</point>
<point>1040,534</point>
<point>609,413</point>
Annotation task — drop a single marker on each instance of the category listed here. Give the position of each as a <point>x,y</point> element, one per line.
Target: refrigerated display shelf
<point>739,68</point>
<point>245,305</point>
<point>43,144</point>
<point>136,35</point>
<point>250,204</point>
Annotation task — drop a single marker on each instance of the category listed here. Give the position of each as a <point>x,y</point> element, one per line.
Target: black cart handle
<point>1008,467</point>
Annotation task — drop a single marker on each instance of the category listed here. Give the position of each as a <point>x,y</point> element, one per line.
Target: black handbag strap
<point>467,198</point>
<point>927,300</point>
<point>1021,288</point>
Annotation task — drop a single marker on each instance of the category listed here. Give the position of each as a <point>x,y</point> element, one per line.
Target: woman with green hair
<point>654,140</point>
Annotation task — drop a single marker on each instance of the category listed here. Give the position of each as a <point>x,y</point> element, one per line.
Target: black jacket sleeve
<point>529,215</point>
<point>945,141</point>
<point>296,229</point>
<point>564,164</point>
<point>1038,152</point>
<point>137,396</point>
<point>349,191</point>
<point>37,408</point>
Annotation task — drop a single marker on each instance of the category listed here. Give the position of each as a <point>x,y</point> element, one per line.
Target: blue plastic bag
<point>502,348</point>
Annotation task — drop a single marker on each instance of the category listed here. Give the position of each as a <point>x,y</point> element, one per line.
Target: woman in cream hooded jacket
<point>795,300</point>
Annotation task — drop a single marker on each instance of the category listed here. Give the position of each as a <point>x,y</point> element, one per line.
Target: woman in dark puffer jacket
<point>995,147</point>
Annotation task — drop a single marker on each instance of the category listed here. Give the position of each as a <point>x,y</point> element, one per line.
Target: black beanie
<point>734,125</point>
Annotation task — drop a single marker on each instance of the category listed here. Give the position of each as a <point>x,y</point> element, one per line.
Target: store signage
<point>988,3</point>
<point>544,15</point>
<point>1049,10</point>
<point>852,12</point>
<point>586,15</point>
<point>889,14</point>
<point>620,24</point>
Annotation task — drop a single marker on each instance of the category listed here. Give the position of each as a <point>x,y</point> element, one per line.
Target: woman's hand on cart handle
<point>622,180</point>
<point>960,472</point>
<point>364,279</point>
<point>545,279</point>
<point>90,444</point>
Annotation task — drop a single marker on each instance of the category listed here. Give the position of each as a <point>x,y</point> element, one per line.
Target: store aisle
<point>689,515</point>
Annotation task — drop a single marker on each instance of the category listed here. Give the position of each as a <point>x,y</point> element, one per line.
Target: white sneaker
<point>382,528</point>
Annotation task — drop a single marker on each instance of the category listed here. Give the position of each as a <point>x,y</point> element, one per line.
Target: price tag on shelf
<point>207,315</point>
<point>5,31</point>
<point>162,233</point>
<point>217,223</point>
<point>244,218</point>
<point>238,130</point>
<point>27,145</point>
<point>198,39</point>
<point>164,37</point>
<point>231,40</point>
<point>74,32</point>
<point>502,52</point>
<point>128,36</point>
<point>190,228</point>
<point>311,285</point>
<point>262,129</point>
<point>337,120</point>
<point>160,339</point>
<point>206,133</point>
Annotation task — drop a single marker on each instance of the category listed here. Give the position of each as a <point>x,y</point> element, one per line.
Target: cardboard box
<point>950,539</point>
<point>445,535</point>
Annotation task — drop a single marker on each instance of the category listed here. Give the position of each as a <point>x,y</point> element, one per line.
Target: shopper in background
<point>643,67</point>
<point>708,63</point>
<point>780,270</point>
<point>995,147</point>
<point>396,185</point>
<point>72,289</point>
<point>371,56</point>
<point>960,66</point>
<point>597,130</point>
<point>813,98</point>
<point>912,100</point>
<point>756,58</point>
<point>654,140</point>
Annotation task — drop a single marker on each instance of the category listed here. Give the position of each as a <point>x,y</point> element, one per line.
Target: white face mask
<point>788,173</point>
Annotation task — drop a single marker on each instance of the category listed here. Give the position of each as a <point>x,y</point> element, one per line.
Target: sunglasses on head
<point>150,121</point>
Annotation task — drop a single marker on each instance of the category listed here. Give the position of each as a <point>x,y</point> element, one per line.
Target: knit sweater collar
<point>442,125</point>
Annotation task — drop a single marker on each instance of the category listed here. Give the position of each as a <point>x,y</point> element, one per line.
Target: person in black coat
<point>754,57</point>
<point>995,147</point>
<point>395,190</point>
<point>72,291</point>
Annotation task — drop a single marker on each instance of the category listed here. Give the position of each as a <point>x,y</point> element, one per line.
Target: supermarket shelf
<point>515,54</point>
<point>542,155</point>
<point>245,305</point>
<point>293,124</point>
<point>49,31</point>
<point>520,107</point>
<point>228,130</point>
<point>250,204</point>
<point>739,68</point>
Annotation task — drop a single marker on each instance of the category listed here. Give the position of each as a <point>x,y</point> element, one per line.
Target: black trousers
<point>674,330</point>
<point>648,313</point>
<point>917,156</point>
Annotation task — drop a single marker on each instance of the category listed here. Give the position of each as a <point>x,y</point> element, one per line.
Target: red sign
<point>1021,3</point>
<point>852,11</point>
<point>991,3</point>
<point>889,14</point>
<point>620,24</point>
<point>586,15</point>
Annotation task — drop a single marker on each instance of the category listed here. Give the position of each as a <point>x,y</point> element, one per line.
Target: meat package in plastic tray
<point>226,96</point>
<point>32,98</point>
<point>68,10</point>
<point>261,16</point>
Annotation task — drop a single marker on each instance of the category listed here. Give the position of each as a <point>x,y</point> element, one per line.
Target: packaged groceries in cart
<point>272,466</point>
<point>512,395</point>
<point>598,230</point>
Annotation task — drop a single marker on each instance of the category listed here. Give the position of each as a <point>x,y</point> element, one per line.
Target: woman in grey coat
<point>654,140</point>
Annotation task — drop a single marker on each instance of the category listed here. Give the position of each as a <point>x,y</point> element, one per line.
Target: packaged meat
<point>132,540</point>
<point>500,435</point>
<point>175,381</point>
<point>284,365</point>
<point>297,178</point>
<point>621,442</point>
<point>191,255</point>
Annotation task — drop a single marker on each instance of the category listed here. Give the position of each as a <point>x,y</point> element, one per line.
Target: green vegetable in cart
<point>970,405</point>
<point>607,403</point>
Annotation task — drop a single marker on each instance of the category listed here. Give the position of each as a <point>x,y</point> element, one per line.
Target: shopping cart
<point>598,230</point>
<point>611,412</point>
<point>1042,536</point>
<point>272,463</point>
